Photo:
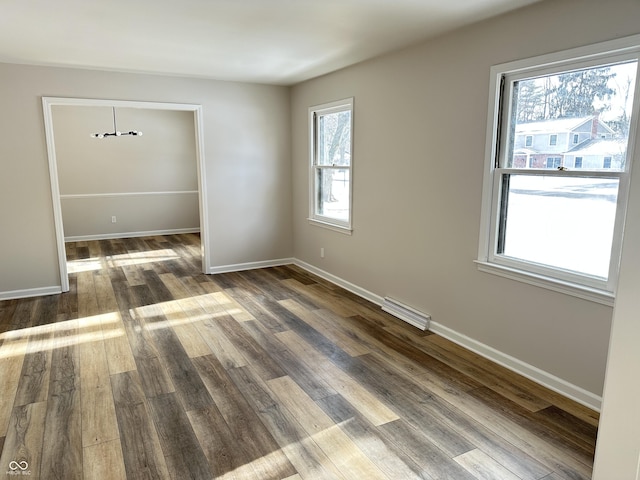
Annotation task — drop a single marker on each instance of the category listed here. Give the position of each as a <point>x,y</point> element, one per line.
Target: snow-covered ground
<point>563,222</point>
<point>340,192</point>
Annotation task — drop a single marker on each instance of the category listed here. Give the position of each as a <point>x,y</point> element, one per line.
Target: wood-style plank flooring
<point>148,369</point>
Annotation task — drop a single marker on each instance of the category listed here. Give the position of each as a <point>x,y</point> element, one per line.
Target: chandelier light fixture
<point>116,132</point>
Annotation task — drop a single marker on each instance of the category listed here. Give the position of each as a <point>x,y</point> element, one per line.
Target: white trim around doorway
<point>48,102</point>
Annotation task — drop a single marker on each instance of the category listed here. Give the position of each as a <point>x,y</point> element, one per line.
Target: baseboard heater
<point>406,313</point>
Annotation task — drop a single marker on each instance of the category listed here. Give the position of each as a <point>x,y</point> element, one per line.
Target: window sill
<point>331,226</point>
<point>592,294</point>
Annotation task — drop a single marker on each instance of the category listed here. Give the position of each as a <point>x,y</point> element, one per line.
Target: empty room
<point>320,240</point>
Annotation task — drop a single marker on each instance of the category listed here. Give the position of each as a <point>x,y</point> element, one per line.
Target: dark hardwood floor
<point>148,369</point>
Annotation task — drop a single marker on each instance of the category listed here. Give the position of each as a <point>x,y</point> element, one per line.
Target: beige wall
<point>419,141</point>
<point>246,142</point>
<point>136,214</point>
<point>141,180</point>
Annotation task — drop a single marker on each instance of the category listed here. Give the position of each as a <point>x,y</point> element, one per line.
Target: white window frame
<point>553,139</point>
<point>315,218</point>
<point>582,286</point>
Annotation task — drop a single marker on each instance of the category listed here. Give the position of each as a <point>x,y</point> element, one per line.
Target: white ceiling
<point>265,41</point>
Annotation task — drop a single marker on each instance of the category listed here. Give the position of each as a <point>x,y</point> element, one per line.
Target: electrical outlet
<point>322,252</point>
<point>113,219</point>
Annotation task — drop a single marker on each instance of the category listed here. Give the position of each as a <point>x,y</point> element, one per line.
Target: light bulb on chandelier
<point>116,132</point>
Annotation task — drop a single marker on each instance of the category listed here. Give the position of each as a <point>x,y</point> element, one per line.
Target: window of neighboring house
<point>528,140</point>
<point>331,178</point>
<point>553,139</point>
<point>557,228</point>
<point>576,138</point>
<point>553,162</point>
<point>606,162</point>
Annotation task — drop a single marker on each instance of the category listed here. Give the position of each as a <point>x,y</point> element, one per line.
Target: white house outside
<point>574,143</point>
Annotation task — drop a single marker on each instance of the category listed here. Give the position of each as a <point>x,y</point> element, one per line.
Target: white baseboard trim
<point>30,292</point>
<point>366,294</point>
<point>249,266</point>
<point>110,236</point>
<point>535,374</point>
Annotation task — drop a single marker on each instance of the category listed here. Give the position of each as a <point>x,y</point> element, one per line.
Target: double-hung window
<point>554,223</point>
<point>331,179</point>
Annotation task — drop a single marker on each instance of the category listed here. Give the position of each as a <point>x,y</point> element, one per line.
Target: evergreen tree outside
<point>576,94</point>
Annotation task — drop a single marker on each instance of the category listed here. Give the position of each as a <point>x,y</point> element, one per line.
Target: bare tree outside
<point>581,93</point>
<point>334,142</point>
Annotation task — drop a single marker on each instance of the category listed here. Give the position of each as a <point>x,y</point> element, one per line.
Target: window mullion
<point>552,172</point>
<point>337,167</point>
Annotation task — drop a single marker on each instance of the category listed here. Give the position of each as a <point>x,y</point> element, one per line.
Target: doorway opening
<point>54,104</point>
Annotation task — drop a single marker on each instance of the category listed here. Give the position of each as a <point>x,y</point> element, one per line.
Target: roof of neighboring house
<point>525,151</point>
<point>600,146</point>
<point>556,125</point>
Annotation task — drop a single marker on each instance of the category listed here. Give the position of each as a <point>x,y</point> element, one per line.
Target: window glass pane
<point>334,138</point>
<point>333,193</point>
<point>581,113</point>
<point>562,222</point>
<point>553,162</point>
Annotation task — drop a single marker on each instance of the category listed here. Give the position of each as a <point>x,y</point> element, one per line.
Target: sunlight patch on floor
<point>84,265</point>
<point>182,311</point>
<point>43,337</point>
<point>122,260</point>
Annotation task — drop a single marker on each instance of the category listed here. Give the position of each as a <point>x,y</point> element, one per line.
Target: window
<point>560,228</point>
<point>528,140</point>
<point>576,138</point>
<point>553,162</point>
<point>331,169</point>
